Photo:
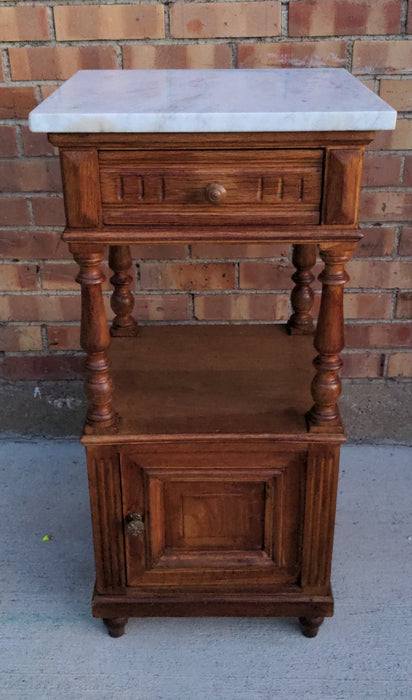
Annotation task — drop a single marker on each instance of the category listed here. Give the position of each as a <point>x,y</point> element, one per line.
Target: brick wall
<point>45,42</point>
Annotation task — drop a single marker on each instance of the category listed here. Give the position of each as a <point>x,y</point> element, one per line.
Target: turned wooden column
<point>122,301</point>
<point>329,338</point>
<point>304,258</point>
<point>94,335</point>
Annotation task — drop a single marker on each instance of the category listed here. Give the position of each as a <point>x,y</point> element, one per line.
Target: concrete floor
<point>51,646</point>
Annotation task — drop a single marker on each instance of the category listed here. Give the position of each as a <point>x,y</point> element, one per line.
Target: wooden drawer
<point>218,187</point>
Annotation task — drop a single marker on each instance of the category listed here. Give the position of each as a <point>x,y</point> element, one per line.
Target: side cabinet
<point>249,520</point>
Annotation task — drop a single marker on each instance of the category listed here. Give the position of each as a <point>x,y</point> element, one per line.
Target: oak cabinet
<point>212,450</point>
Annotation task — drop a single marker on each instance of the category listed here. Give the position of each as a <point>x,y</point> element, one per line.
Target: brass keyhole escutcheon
<point>215,193</point>
<point>135,524</point>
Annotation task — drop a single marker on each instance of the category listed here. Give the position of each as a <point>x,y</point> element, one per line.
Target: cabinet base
<point>115,609</point>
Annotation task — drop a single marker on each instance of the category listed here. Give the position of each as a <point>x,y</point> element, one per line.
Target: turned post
<point>329,339</point>
<point>304,258</point>
<point>94,336</point>
<point>122,300</point>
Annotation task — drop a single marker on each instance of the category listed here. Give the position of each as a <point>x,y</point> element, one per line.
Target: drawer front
<point>211,187</point>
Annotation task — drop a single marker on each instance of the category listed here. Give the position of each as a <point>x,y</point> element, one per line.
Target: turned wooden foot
<point>115,625</point>
<point>310,625</point>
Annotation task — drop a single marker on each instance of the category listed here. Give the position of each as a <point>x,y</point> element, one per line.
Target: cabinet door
<point>213,518</point>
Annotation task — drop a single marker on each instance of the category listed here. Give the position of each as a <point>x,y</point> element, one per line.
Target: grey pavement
<point>51,647</point>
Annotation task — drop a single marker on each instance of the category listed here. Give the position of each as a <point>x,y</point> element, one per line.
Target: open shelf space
<point>212,380</point>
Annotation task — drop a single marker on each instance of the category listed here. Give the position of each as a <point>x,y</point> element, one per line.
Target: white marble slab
<point>318,99</point>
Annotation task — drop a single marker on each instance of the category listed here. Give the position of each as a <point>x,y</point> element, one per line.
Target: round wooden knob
<point>215,193</point>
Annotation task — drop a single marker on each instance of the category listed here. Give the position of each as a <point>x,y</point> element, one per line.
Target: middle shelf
<point>212,380</point>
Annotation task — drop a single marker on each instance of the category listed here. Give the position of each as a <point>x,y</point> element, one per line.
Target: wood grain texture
<point>233,490</point>
<point>320,506</point>
<point>184,233</point>
<point>255,140</point>
<point>122,300</point>
<point>221,517</point>
<point>211,380</point>
<point>94,336</point>
<point>80,172</point>
<point>106,506</point>
<point>285,602</point>
<point>278,185</point>
<point>342,186</point>
<point>303,258</point>
<point>329,340</point>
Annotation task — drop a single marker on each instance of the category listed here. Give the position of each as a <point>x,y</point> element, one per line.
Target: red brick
<point>20,338</point>
<point>362,364</point>
<point>400,364</point>
<point>404,305</point>
<point>382,57</point>
<point>398,93</point>
<point>16,102</point>
<point>381,170</point>
<point>225,19</point>
<point>161,307</point>
<point>30,175</point>
<point>62,276</point>
<point>47,90</point>
<point>58,62</point>
<point>379,335</point>
<point>361,305</point>
<point>159,251</point>
<point>377,241</point>
<point>79,22</point>
<point>1,69</point>
<point>405,245</point>
<point>59,276</point>
<point>305,54</point>
<point>39,307</point>
<point>368,82</point>
<point>358,305</point>
<point>50,367</point>
<point>15,276</point>
<point>409,26</point>
<point>241,307</point>
<point>190,276</point>
<point>236,251</point>
<point>8,143</point>
<point>265,275</point>
<point>379,274</point>
<point>187,56</point>
<point>339,17</point>
<point>148,308</point>
<point>48,211</point>
<point>398,139</point>
<point>35,144</point>
<point>386,206</point>
<point>23,24</point>
<point>63,337</point>
<point>407,173</point>
<point>19,245</point>
<point>14,211</point>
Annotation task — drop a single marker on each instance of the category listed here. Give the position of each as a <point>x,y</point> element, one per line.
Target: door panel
<point>214,524</point>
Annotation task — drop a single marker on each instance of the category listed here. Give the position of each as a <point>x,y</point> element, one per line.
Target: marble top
<point>301,99</point>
